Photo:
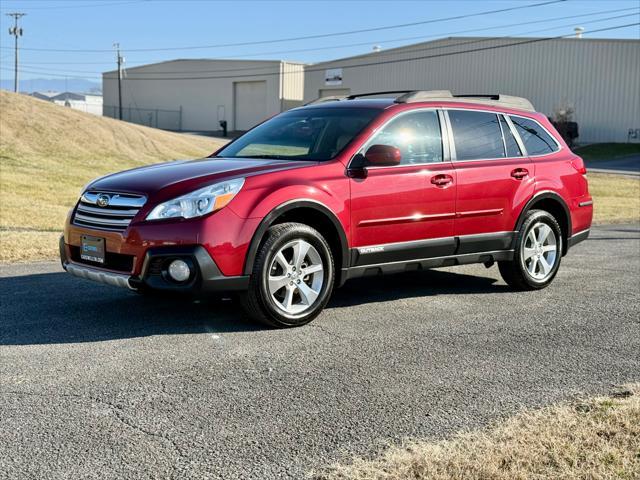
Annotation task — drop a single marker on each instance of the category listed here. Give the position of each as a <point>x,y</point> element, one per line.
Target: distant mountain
<point>57,85</point>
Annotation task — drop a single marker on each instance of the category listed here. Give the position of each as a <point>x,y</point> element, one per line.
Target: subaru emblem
<point>103,200</point>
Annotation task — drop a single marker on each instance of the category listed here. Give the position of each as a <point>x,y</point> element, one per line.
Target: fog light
<point>179,271</point>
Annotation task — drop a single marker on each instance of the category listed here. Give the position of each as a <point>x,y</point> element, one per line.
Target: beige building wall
<point>194,95</point>
<point>600,79</point>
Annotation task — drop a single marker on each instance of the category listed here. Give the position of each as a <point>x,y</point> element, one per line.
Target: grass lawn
<point>598,438</point>
<point>607,151</point>
<point>48,152</point>
<point>616,198</point>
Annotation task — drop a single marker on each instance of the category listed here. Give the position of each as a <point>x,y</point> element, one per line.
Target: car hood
<point>191,173</point>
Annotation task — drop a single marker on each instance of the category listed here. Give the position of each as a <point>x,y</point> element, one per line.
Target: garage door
<point>330,92</point>
<point>250,102</point>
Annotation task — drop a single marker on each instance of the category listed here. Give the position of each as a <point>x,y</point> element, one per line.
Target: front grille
<point>116,214</point>
<point>113,261</point>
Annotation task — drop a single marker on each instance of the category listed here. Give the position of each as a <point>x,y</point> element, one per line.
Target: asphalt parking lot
<point>97,382</point>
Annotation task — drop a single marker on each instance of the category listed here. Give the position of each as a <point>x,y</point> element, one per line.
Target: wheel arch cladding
<point>313,214</point>
<point>554,204</point>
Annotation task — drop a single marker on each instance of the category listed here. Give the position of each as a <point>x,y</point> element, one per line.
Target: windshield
<point>308,134</point>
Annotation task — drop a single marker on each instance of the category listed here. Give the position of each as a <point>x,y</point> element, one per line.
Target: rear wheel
<point>292,277</point>
<point>537,254</point>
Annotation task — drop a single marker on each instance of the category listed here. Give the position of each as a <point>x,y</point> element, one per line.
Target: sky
<point>157,24</point>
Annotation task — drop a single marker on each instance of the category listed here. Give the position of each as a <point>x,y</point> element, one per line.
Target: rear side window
<point>510,144</point>
<point>536,140</point>
<point>476,135</point>
<point>417,136</point>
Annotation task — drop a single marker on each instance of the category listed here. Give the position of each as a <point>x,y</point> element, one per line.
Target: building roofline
<point>403,47</point>
<point>164,62</point>
<point>380,53</point>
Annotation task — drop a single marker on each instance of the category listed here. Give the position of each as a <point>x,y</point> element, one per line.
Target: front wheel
<point>537,254</point>
<point>292,277</point>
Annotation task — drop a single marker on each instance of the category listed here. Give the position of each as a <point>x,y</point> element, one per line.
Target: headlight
<point>198,203</point>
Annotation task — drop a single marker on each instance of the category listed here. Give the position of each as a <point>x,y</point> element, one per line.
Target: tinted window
<point>536,140</point>
<point>305,134</point>
<point>513,150</point>
<point>476,135</point>
<point>416,135</point>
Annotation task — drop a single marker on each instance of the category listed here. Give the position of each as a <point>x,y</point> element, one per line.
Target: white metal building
<point>598,78</point>
<point>195,95</point>
<point>85,102</point>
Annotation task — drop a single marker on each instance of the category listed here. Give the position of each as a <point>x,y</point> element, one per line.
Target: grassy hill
<point>48,152</point>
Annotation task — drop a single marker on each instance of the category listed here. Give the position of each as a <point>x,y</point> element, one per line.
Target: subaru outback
<point>339,189</point>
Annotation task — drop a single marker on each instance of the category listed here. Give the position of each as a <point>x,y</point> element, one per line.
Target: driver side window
<point>417,136</point>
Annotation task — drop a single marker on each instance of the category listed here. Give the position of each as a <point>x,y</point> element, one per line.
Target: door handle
<point>519,173</point>
<point>442,180</point>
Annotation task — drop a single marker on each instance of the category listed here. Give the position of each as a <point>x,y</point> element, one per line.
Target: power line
<point>385,62</point>
<point>310,37</point>
<point>381,54</point>
<point>332,47</point>
<point>424,57</point>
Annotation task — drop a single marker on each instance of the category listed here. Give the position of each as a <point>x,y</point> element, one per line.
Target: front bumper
<point>205,277</point>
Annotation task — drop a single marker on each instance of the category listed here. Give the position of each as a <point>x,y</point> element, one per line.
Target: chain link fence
<point>151,117</point>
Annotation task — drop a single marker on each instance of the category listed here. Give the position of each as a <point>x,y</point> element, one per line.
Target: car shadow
<point>422,283</point>
<point>55,308</point>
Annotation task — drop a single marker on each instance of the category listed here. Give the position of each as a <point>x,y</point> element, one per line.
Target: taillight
<point>578,164</point>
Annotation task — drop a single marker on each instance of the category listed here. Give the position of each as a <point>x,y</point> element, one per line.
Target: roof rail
<point>424,96</point>
<point>332,98</point>
<point>489,99</point>
<point>335,98</point>
<point>413,96</point>
<point>500,99</point>
<point>371,94</point>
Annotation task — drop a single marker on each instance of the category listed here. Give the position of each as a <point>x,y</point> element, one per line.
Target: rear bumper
<point>206,276</point>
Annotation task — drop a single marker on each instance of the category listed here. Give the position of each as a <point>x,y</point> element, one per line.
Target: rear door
<point>406,211</point>
<point>494,179</point>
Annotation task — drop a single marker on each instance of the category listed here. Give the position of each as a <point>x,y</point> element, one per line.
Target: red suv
<point>337,190</point>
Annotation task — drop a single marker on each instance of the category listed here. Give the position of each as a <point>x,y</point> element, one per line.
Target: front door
<point>494,179</point>
<point>406,211</point>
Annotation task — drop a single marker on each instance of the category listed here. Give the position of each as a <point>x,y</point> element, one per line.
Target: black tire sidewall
<point>276,314</point>
<point>537,216</point>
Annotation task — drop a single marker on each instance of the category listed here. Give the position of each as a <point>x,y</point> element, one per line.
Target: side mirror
<point>376,156</point>
<point>383,156</point>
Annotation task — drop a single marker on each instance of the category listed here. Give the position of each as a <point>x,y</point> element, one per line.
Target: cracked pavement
<point>97,382</point>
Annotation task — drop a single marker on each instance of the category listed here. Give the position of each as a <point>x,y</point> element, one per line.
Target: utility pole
<point>120,60</point>
<point>16,32</point>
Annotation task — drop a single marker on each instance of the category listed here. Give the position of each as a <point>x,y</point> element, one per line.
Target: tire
<point>535,263</point>
<point>278,294</point>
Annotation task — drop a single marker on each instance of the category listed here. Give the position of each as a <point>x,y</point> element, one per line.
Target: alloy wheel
<point>296,276</point>
<point>540,251</point>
